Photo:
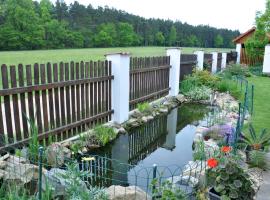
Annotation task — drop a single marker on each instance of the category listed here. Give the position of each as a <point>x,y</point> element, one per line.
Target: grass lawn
<point>67,55</point>
<point>261,116</point>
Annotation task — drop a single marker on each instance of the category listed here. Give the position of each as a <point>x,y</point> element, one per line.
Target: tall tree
<point>172,36</point>
<point>160,39</point>
<point>218,41</point>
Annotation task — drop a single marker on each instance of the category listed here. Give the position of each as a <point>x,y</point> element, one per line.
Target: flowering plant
<point>227,177</point>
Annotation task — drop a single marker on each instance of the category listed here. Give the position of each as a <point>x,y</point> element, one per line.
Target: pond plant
<point>226,178</point>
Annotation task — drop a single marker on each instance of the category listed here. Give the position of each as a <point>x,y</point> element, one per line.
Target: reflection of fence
<point>63,99</point>
<point>149,79</point>
<point>146,139</point>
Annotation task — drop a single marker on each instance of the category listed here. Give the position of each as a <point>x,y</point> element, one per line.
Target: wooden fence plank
<point>67,98</point>
<point>5,83</point>
<point>44,98</point>
<point>22,101</point>
<point>62,98</point>
<point>56,99</point>
<point>73,96</point>
<point>37,98</point>
<point>16,115</point>
<point>82,86</point>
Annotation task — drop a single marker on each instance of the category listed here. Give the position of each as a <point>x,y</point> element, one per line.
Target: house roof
<point>243,37</point>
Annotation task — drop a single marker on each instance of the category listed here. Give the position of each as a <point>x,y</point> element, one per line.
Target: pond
<point>166,141</point>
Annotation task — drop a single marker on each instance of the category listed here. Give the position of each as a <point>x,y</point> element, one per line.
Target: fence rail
<point>149,79</point>
<point>61,99</point>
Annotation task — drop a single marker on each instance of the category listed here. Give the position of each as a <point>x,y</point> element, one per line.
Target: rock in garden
<point>56,178</point>
<point>136,114</point>
<point>149,117</point>
<point>163,110</point>
<point>21,173</point>
<point>256,177</point>
<point>117,192</point>
<point>56,154</point>
<point>195,169</point>
<point>144,119</point>
<point>184,180</point>
<point>180,98</point>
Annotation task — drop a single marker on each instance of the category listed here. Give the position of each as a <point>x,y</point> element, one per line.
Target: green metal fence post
<point>154,177</point>
<point>40,153</point>
<point>252,99</point>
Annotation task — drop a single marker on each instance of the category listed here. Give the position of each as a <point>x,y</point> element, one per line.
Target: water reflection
<point>165,141</point>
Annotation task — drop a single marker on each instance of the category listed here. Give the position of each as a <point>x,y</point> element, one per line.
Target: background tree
<point>47,24</point>
<point>219,41</point>
<point>160,39</point>
<point>172,36</point>
<point>255,45</point>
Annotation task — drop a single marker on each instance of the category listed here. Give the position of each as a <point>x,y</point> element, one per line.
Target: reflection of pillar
<point>120,152</point>
<point>171,128</point>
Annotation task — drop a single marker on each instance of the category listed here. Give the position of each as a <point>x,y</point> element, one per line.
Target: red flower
<point>212,162</point>
<point>226,149</point>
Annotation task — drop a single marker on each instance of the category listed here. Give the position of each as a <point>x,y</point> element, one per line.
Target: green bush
<point>236,70</point>
<point>144,107</point>
<point>227,85</point>
<point>199,93</point>
<point>104,134</point>
<point>256,70</point>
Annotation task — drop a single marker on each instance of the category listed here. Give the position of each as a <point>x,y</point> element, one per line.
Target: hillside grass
<point>261,116</point>
<point>67,55</point>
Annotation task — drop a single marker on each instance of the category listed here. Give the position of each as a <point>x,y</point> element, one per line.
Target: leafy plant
<point>104,134</point>
<point>144,107</point>
<point>227,85</point>
<point>199,151</point>
<point>14,192</point>
<point>258,159</point>
<point>199,93</point>
<point>235,70</point>
<point>33,142</point>
<point>76,188</point>
<point>166,191</point>
<point>227,177</point>
<point>256,141</point>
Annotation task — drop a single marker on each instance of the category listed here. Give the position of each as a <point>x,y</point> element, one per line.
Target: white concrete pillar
<point>120,86</point>
<point>200,57</point>
<point>238,50</point>
<point>214,62</point>
<point>224,61</point>
<point>175,56</point>
<point>266,60</point>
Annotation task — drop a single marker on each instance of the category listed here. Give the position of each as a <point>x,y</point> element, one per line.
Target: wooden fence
<point>63,99</point>
<point>188,61</point>
<point>231,57</point>
<point>219,62</point>
<point>250,61</point>
<point>149,79</point>
<point>208,60</point>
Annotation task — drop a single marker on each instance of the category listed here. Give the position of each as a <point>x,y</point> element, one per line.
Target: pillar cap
<point>172,48</point>
<point>118,53</point>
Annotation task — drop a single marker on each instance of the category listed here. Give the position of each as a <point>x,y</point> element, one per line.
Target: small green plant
<point>76,188</point>
<point>236,70</point>
<point>18,153</point>
<point>104,134</point>
<point>227,85</point>
<point>33,142</point>
<point>255,141</point>
<point>166,191</point>
<point>14,192</point>
<point>199,151</point>
<point>144,107</point>
<point>199,93</point>
<point>258,159</point>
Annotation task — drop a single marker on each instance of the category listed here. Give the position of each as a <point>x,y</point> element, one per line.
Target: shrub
<point>230,86</point>
<point>199,93</point>
<point>166,190</point>
<point>104,134</point>
<point>236,70</point>
<point>256,70</point>
<point>204,77</point>
<point>258,159</point>
<point>144,107</point>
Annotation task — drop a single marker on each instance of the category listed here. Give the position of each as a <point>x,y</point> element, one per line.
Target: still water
<point>165,142</point>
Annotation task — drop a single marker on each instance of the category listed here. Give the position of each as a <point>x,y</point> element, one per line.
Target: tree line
<point>27,24</point>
